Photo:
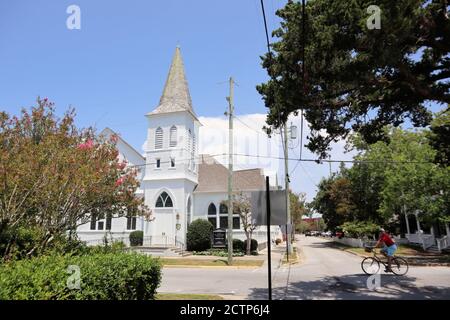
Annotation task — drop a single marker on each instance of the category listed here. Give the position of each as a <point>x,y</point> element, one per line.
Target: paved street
<point>325,273</point>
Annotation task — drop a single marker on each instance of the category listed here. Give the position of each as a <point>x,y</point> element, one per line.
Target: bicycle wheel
<point>370,265</point>
<point>399,266</point>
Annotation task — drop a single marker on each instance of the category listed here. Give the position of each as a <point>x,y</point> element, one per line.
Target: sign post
<point>269,243</point>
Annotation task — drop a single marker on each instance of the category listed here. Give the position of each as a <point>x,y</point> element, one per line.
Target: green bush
<point>17,242</point>
<point>112,276</point>
<point>198,237</point>
<point>359,229</point>
<point>136,238</point>
<point>253,245</point>
<point>238,245</point>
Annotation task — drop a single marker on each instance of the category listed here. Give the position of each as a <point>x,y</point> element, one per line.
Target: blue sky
<point>113,70</point>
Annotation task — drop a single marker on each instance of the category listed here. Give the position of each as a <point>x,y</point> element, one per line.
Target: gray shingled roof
<point>175,95</point>
<point>213,177</point>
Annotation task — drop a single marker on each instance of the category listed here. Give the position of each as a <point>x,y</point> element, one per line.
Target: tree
<point>54,176</point>
<point>419,185</point>
<point>351,78</point>
<point>297,207</point>
<point>242,206</point>
<point>439,137</point>
<point>387,181</point>
<point>333,200</point>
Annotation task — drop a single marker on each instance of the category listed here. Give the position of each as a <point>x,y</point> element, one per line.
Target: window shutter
<point>159,138</point>
<point>93,221</point>
<point>173,136</point>
<point>108,221</point>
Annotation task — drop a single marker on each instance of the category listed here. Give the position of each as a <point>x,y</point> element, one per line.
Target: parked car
<point>339,234</point>
<point>308,234</point>
<point>327,234</point>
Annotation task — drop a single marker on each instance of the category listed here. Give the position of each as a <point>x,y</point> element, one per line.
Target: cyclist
<point>389,247</point>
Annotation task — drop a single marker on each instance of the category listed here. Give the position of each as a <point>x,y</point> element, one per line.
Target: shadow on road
<point>354,287</point>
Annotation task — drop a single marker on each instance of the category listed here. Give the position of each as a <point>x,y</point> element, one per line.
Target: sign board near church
<point>219,239</point>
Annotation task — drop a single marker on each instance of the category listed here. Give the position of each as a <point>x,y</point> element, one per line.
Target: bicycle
<point>371,265</point>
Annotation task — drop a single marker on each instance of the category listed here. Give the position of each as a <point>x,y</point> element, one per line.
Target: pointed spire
<point>175,96</point>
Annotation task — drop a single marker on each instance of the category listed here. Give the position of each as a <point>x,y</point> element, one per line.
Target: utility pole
<point>230,172</point>
<point>286,180</point>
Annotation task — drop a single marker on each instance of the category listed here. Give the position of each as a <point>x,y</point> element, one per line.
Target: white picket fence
<point>352,242</point>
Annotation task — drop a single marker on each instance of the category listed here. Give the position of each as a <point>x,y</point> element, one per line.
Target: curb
<point>210,267</point>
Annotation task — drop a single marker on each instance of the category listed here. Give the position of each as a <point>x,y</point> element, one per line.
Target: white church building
<point>177,183</point>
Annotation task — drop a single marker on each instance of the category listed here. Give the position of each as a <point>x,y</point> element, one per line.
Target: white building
<point>176,183</point>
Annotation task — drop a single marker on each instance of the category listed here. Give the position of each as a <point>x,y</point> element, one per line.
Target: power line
<point>334,160</point>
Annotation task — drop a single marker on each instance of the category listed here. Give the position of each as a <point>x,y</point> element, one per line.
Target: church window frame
<point>173,136</point>
<point>159,138</point>
<point>212,214</point>
<point>164,200</point>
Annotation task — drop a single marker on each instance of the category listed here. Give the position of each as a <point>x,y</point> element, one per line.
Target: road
<point>325,273</point>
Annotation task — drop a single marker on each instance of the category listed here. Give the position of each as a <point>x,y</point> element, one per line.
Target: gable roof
<point>175,96</point>
<point>107,132</point>
<point>213,177</point>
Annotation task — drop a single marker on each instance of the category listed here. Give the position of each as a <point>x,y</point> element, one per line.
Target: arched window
<point>159,138</point>
<point>212,215</point>
<point>223,208</point>
<point>212,210</point>
<point>173,136</point>
<point>164,201</point>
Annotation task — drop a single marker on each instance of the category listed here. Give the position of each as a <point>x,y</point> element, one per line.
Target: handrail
<point>442,243</point>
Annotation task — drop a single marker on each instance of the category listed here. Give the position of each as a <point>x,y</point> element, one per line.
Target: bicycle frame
<point>379,258</point>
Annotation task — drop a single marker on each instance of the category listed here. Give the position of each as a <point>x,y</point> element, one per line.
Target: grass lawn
<point>209,262</point>
<point>186,296</point>
<point>293,258</point>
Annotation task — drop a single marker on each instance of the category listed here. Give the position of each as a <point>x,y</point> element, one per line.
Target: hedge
<point>199,233</point>
<point>110,276</point>
<point>253,245</point>
<point>136,238</point>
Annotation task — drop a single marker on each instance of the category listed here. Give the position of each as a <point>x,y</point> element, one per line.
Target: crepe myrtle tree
<point>242,206</point>
<point>54,176</point>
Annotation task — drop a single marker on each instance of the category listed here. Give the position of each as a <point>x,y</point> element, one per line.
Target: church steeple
<point>175,96</point>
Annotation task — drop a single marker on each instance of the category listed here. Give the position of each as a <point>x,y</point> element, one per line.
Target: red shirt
<point>386,239</point>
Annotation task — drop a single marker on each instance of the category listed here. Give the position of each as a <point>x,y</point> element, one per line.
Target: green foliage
<point>218,253</point>
<point>392,178</point>
<point>439,135</point>
<point>352,78</point>
<point>297,206</point>
<point>198,235</point>
<point>253,245</point>
<point>136,238</point>
<point>360,229</point>
<point>56,176</point>
<point>238,245</point>
<point>112,276</point>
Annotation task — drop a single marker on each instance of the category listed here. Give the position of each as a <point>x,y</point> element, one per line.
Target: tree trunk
<point>249,243</point>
